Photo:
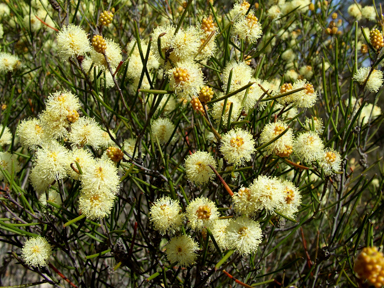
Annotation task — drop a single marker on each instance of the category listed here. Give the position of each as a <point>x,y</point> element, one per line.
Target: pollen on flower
<point>36,251</point>
<point>115,154</point>
<point>374,82</point>
<point>162,129</point>
<point>243,202</point>
<point>308,146</point>
<point>96,205</point>
<point>201,212</point>
<point>237,146</point>
<point>72,41</point>
<point>197,168</point>
<point>283,145</point>
<point>292,199</point>
<point>208,25</point>
<point>286,87</point>
<point>330,161</point>
<point>182,250</point>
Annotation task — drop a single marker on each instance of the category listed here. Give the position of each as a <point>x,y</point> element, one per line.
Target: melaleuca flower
<point>308,146</point>
<point>51,164</point>
<point>182,250</point>
<point>113,52</point>
<point>241,75</point>
<point>330,161</point>
<point>239,9</point>
<point>6,136</point>
<point>83,157</point>
<point>288,55</point>
<point>292,199</point>
<point>185,45</point>
<point>129,146</point>
<point>165,215</point>
<point>9,163</point>
<point>9,62</point>
<point>267,193</point>
<point>237,146</point>
<point>368,12</point>
<point>86,131</point>
<point>243,202</point>
<point>96,205</point>
<point>72,41</point>
<point>201,212</point>
<point>314,124</point>
<point>197,169</point>
<point>31,22</point>
<point>274,12</point>
<point>106,140</point>
<point>219,232</point>
<point>248,101</point>
<point>369,113</point>
<point>355,11</point>
<point>100,176</point>
<point>168,31</point>
<point>302,6</point>
<point>291,75</point>
<point>244,235</point>
<point>248,28</point>
<point>186,79</point>
<point>105,78</point>
<point>283,145</point>
<point>306,72</point>
<point>167,103</point>
<point>4,10</point>
<point>162,129</point>
<point>209,49</point>
<point>218,107</point>
<point>53,196</point>
<point>374,82</point>
<point>133,49</point>
<point>36,251</point>
<point>31,133</point>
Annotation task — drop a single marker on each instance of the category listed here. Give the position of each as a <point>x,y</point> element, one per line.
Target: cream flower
<point>162,129</point>
<point>36,251</point>
<point>237,146</point>
<point>314,124</point>
<point>113,52</point>
<point>96,205</point>
<point>9,163</point>
<point>165,215</point>
<point>308,146</point>
<point>168,31</point>
<point>355,11</point>
<point>248,28</point>
<point>244,235</point>
<point>218,107</point>
<point>292,199</point>
<point>6,136</point>
<point>374,82</point>
<point>86,131</point>
<point>201,212</point>
<point>241,75</point>
<point>9,62</point>
<point>53,196</point>
<point>182,249</point>
<point>72,41</point>
<point>368,12</point>
<point>219,232</point>
<point>243,202</point>
<point>283,145</point>
<point>197,168</point>
<point>185,45</point>
<point>31,133</point>
<point>267,193</point>
<point>83,157</point>
<point>330,161</point>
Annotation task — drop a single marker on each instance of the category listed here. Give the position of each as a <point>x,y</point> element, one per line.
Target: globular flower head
<point>53,196</point>
<point>162,129</point>
<point>239,9</point>
<point>9,62</point>
<point>72,40</point>
<point>201,212</point>
<point>241,75</point>
<point>6,136</point>
<point>51,164</point>
<point>83,157</point>
<point>291,75</point>
<point>283,145</point>
<point>31,133</point>
<point>96,205</point>
<point>267,193</point>
<point>100,176</point>
<point>129,145</point>
<point>185,44</point>
<point>182,249</point>
<point>355,11</point>
<point>374,82</point>
<point>86,131</point>
<point>218,107</point>
<point>105,77</point>
<point>243,202</point>
<point>306,72</point>
<point>248,28</point>
<point>36,251</point>
<point>314,124</point>
<point>219,232</point>
<point>288,55</point>
<point>244,235</point>
<point>9,163</point>
<point>237,146</point>
<point>330,161</point>
<point>305,98</point>
<point>165,215</point>
<point>186,79</point>
<point>308,146</point>
<point>292,199</point>
<point>166,33</point>
<point>368,12</point>
<point>197,168</point>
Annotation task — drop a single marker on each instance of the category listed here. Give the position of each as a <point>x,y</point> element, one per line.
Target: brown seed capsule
<point>99,43</point>
<point>377,39</point>
<point>206,94</point>
<point>364,49</point>
<point>115,154</point>
<point>106,18</point>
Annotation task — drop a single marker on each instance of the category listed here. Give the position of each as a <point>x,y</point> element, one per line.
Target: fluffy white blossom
<point>241,75</point>
<point>6,136</point>
<point>244,203</point>
<point>182,250</point>
<point>96,205</point>
<point>9,62</point>
<point>86,131</point>
<point>218,107</point>
<point>314,124</point>
<point>248,28</point>
<point>31,133</point>
<point>244,235</point>
<point>72,40</point>
<point>83,157</point>
<point>330,161</point>
<point>283,145</point>
<point>219,232</point>
<point>237,146</point>
<point>201,212</point>
<point>292,199</point>
<point>162,129</point>
<point>355,11</point>
<point>308,146</point>
<point>113,52</point>
<point>374,82</point>
<point>9,163</point>
<point>368,12</point>
<point>165,215</point>
<point>196,166</point>
<point>36,251</point>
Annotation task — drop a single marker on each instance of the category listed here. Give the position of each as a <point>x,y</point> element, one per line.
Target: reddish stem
<point>46,24</point>
<point>237,281</point>
<point>133,239</point>
<point>222,181</point>
<point>61,275</point>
